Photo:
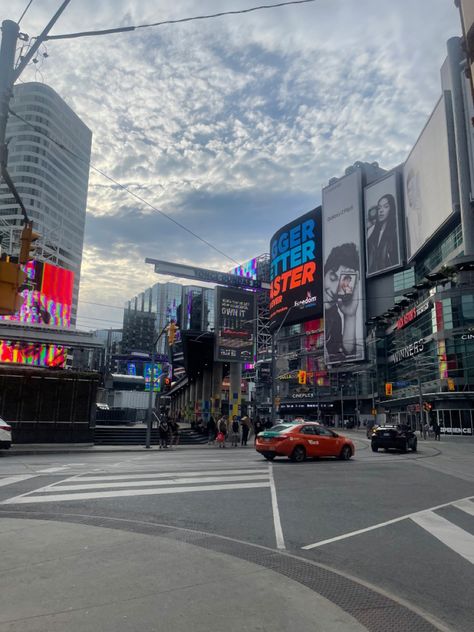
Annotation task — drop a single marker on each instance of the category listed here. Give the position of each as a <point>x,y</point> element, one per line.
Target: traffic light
<point>301,377</point>
<point>167,384</point>
<point>427,406</point>
<point>12,278</point>
<point>28,239</point>
<point>451,385</point>
<point>172,329</point>
<point>388,389</point>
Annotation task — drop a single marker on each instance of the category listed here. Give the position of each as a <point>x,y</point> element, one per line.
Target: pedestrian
<point>437,431</point>
<point>245,423</point>
<point>258,427</point>
<point>222,431</point>
<point>235,431</point>
<point>174,433</point>
<point>164,431</point>
<point>211,431</point>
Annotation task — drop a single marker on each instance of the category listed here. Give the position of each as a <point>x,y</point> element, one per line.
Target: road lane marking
<point>458,540</point>
<point>10,480</point>
<point>465,505</point>
<point>24,499</point>
<point>351,534</point>
<point>169,481</point>
<point>52,470</point>
<point>280,541</point>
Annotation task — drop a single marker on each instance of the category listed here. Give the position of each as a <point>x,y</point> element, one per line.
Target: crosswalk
<point>452,535</point>
<point>101,486</point>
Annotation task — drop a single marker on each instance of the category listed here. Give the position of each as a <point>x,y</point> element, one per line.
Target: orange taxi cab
<point>297,441</point>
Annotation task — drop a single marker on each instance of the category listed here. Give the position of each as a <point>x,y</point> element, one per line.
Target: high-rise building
<point>51,181</point>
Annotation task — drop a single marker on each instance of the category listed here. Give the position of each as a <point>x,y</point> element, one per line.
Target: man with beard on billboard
<point>341,300</point>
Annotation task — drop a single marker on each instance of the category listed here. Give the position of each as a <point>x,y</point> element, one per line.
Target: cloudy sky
<point>231,125</point>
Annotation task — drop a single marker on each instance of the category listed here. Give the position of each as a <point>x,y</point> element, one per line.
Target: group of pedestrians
<point>168,430</point>
<point>226,429</point>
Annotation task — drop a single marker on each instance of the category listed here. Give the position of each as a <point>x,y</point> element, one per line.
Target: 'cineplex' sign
<point>410,316</point>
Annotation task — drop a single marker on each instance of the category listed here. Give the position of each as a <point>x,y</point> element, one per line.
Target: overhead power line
<point>124,188</point>
<point>209,16</point>
<point>24,12</point>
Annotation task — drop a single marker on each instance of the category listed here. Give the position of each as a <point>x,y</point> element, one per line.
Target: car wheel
<point>406,446</point>
<point>414,446</point>
<point>299,454</point>
<point>374,448</point>
<point>269,456</point>
<point>346,453</point>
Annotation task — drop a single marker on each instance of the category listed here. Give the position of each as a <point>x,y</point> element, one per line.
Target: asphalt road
<point>400,524</point>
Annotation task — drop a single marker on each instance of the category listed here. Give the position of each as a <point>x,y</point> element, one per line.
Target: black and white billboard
<point>383,242</point>
<point>427,182</point>
<point>235,325</point>
<point>344,270</point>
<point>295,271</point>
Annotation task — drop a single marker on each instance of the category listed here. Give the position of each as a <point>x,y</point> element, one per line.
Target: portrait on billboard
<point>382,226</point>
<point>427,182</point>
<point>344,272</point>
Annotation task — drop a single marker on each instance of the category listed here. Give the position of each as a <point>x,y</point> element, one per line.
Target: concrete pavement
<point>61,576</point>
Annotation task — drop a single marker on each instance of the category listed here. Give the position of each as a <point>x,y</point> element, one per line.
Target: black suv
<point>393,437</point>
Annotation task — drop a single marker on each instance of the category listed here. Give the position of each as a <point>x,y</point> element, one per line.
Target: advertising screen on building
<point>295,272</point>
<point>157,376</point>
<point>383,243</point>
<point>235,325</point>
<point>32,354</point>
<point>47,296</point>
<point>247,269</point>
<point>344,271</point>
<point>427,182</point>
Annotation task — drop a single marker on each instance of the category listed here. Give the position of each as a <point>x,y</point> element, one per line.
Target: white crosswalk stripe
<point>448,533</point>
<point>90,487</point>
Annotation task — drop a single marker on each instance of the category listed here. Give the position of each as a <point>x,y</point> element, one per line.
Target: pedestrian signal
<point>388,389</point>
<point>167,384</point>
<point>301,377</point>
<point>451,386</point>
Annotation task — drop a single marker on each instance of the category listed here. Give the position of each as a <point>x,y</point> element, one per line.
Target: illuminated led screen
<point>157,373</point>
<point>33,354</point>
<point>248,269</point>
<point>47,296</point>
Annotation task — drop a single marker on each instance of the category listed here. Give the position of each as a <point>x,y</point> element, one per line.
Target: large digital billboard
<point>382,226</point>
<point>47,296</point>
<point>427,182</point>
<point>33,354</point>
<point>344,270</point>
<point>235,325</point>
<point>247,269</point>
<point>295,272</point>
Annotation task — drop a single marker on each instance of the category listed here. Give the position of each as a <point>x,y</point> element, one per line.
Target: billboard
<point>427,182</point>
<point>295,271</point>
<point>201,274</point>
<point>32,354</point>
<point>235,325</point>
<point>47,297</point>
<point>157,374</point>
<point>247,269</point>
<point>344,271</point>
<point>383,242</point>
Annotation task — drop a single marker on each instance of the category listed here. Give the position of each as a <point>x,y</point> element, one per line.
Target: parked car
<point>5,435</point>
<point>300,440</point>
<point>393,438</point>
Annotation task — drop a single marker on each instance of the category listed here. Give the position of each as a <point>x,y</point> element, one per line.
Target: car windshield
<point>281,428</point>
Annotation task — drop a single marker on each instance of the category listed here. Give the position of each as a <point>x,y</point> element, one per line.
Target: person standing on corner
<point>235,431</point>
<point>164,431</point>
<point>245,423</point>
<point>222,429</point>
<point>211,431</point>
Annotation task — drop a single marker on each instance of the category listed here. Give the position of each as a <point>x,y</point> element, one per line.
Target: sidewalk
<point>64,576</point>
<point>22,449</point>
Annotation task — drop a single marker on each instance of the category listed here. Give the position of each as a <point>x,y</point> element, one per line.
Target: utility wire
<point>24,12</point>
<point>127,29</point>
<point>124,188</point>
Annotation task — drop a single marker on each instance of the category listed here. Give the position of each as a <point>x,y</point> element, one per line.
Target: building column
<point>191,400</point>
<point>206,394</point>
<point>198,397</point>
<point>235,392</point>
<point>216,389</point>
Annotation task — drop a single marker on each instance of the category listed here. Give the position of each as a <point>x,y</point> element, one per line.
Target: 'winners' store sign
<point>296,283</point>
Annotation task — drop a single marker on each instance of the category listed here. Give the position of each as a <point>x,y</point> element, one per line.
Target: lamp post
<point>149,419</point>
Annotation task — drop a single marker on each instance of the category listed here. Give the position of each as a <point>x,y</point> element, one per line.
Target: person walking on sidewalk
<point>437,431</point>
<point>211,431</point>
<point>174,432</point>
<point>222,430</point>
<point>164,431</point>
<point>245,423</point>
<point>235,431</point>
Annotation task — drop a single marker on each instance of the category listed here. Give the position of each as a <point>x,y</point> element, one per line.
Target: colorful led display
<point>157,373</point>
<point>33,354</point>
<point>47,296</point>
<point>247,269</point>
